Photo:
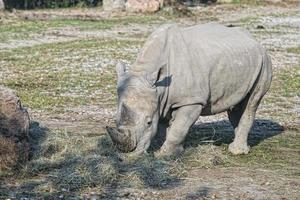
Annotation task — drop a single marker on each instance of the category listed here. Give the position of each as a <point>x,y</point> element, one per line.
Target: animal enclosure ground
<point>62,66</point>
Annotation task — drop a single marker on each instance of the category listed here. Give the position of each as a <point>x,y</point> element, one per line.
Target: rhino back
<point>224,65</point>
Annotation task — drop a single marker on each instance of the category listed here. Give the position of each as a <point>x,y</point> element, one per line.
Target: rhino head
<point>138,110</point>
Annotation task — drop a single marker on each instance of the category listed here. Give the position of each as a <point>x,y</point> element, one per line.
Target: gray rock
<point>144,6</point>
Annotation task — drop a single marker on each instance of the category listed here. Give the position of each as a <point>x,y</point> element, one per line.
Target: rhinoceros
<point>182,73</point>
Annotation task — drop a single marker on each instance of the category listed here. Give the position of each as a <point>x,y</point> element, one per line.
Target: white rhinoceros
<point>184,73</point>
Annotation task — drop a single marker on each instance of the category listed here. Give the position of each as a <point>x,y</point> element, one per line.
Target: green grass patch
<point>277,153</point>
<point>54,77</point>
<point>286,82</point>
<point>295,50</point>
<point>21,29</point>
<point>272,147</point>
<point>281,100</point>
<point>90,24</point>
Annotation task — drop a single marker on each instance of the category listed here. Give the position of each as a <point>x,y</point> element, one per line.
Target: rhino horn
<point>115,135</point>
<point>120,139</point>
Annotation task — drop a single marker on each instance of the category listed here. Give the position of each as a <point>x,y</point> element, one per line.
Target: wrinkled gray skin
<point>184,73</point>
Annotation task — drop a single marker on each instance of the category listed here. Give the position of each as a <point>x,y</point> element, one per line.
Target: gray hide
<point>200,70</point>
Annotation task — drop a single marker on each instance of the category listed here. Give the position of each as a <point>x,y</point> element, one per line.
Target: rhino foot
<point>238,149</point>
<point>167,151</point>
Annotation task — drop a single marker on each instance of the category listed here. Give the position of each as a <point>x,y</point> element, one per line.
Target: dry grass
<point>8,154</point>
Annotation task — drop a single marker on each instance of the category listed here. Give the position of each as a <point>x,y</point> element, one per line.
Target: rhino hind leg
<point>241,118</point>
<point>242,115</point>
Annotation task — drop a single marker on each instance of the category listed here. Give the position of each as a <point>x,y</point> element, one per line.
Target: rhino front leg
<point>184,118</point>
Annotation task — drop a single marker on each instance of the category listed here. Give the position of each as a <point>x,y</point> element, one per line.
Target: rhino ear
<point>153,77</point>
<point>121,69</point>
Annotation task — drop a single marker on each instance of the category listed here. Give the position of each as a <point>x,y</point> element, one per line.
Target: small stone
<point>260,27</point>
<point>144,6</point>
<point>267,183</point>
<point>216,161</point>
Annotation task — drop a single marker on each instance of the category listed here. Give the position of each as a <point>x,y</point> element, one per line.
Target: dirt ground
<point>61,63</point>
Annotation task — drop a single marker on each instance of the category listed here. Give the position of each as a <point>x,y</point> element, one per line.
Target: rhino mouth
<point>123,140</point>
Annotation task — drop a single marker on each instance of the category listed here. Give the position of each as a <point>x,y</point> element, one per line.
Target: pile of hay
<point>14,126</point>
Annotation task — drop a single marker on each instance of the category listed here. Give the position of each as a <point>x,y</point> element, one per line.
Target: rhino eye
<point>149,121</point>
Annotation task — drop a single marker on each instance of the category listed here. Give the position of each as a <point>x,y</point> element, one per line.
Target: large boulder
<point>14,128</point>
<point>113,5</point>
<point>144,6</point>
<point>1,5</point>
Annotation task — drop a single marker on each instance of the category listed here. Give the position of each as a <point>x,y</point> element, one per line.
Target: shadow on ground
<point>201,193</point>
<point>221,132</point>
<point>37,135</point>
